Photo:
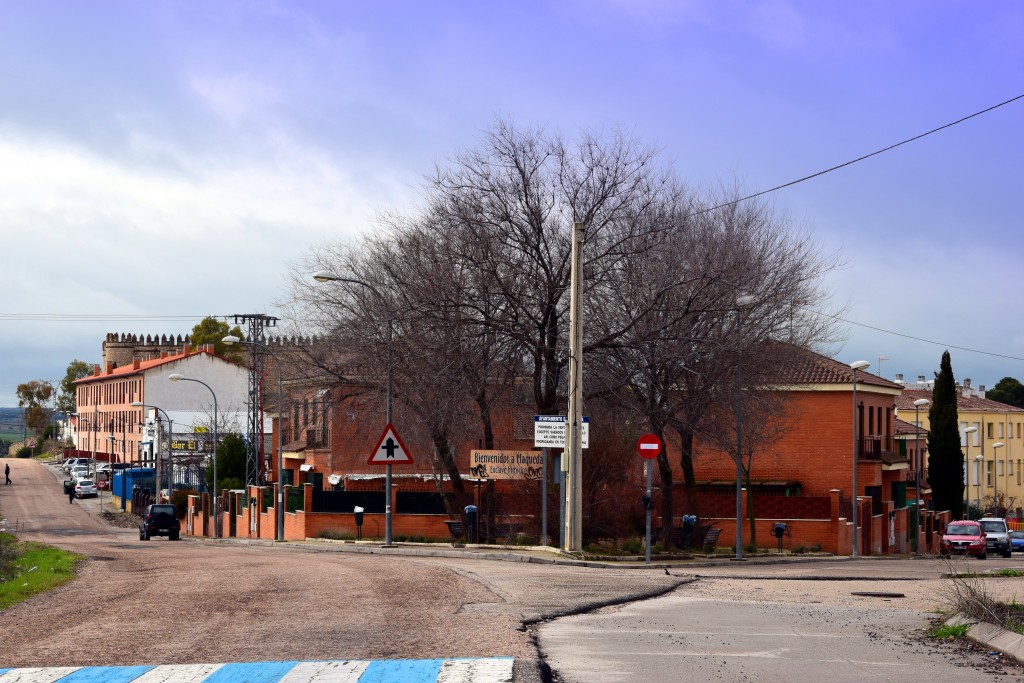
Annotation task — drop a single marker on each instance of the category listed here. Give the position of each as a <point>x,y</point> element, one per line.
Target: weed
<point>943,631</point>
<point>1009,572</point>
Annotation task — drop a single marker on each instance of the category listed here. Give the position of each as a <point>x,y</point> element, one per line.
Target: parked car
<point>159,520</point>
<point>964,537</point>
<point>80,472</point>
<point>1017,541</point>
<point>997,535</point>
<point>85,488</point>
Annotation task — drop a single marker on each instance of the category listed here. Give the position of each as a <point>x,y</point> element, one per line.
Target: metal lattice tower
<point>257,322</point>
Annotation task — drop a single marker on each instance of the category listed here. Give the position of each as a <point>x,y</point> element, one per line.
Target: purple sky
<point>170,159</point>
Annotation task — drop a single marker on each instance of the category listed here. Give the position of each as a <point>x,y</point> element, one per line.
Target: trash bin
<point>471,523</point>
<point>358,511</point>
<point>689,524</point>
<point>778,531</point>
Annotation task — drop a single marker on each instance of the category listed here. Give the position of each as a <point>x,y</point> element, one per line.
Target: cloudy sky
<point>163,161</point>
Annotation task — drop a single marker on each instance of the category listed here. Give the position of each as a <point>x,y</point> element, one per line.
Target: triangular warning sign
<point>390,450</point>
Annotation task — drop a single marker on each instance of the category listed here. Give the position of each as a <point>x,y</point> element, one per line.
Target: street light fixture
<point>995,477</point>
<point>918,404</point>
<point>216,496</point>
<point>967,470</point>
<point>170,441</point>
<point>855,366</point>
<point>230,340</point>
<point>327,276</point>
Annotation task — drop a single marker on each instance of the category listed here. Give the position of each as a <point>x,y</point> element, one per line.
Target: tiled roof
<point>126,370</point>
<point>795,366</point>
<point>967,404</point>
<point>904,428</point>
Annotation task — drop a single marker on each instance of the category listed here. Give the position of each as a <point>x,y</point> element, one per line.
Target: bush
<point>24,452</point>
<point>179,499</point>
<point>335,535</point>
<point>633,546</point>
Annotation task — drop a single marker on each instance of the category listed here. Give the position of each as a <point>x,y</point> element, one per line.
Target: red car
<point>964,538</point>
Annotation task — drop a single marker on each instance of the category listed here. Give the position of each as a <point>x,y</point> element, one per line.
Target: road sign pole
<point>544,498</point>
<point>647,466</point>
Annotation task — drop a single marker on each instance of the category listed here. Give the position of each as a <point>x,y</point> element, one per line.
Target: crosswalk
<point>484,670</point>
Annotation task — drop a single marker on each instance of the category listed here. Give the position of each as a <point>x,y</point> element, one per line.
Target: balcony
<point>874,447</point>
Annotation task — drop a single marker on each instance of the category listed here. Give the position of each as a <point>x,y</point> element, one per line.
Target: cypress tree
<point>945,456</point>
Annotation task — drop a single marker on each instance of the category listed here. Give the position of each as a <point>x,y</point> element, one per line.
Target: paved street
<point>198,601</point>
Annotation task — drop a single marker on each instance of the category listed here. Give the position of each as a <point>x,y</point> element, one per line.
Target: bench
<point>711,540</point>
<point>457,529</point>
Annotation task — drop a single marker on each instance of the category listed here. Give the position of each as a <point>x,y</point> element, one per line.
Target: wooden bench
<point>457,529</point>
<point>711,540</point>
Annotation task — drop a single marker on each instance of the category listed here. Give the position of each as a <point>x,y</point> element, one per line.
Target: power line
<point>920,339</point>
<point>861,158</point>
<point>100,317</point>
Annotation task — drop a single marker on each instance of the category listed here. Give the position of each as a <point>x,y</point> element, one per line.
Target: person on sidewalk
<point>70,489</point>
<point>7,473</point>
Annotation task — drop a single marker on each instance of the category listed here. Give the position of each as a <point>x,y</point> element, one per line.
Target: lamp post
<point>980,458</point>
<point>995,477</point>
<point>327,276</point>
<point>855,366</point>
<point>170,442</point>
<point>967,470</point>
<point>216,496</point>
<point>230,340</point>
<point>918,404</point>
<point>743,302</point>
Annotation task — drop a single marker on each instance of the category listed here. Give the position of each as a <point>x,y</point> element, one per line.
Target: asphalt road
<point>195,601</point>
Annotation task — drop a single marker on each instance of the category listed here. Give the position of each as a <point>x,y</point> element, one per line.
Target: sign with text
<point>549,431</point>
<point>506,464</point>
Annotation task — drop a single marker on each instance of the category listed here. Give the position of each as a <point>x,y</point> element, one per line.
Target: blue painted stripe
<point>251,672</point>
<point>3,671</point>
<point>403,671</point>
<point>107,674</point>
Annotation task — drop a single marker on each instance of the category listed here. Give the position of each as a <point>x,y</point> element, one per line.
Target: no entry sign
<point>648,446</point>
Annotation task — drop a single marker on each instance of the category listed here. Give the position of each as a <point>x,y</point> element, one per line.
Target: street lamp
<point>231,340</point>
<point>918,404</point>
<point>967,470</point>
<point>216,497</point>
<point>170,442</point>
<point>855,366</point>
<point>995,477</point>
<point>743,302</point>
<point>327,276</point>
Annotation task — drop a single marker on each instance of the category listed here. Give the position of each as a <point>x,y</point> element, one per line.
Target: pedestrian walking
<point>7,473</point>
<point>71,492</point>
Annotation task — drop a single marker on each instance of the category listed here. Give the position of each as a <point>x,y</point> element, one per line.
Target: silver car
<point>85,488</point>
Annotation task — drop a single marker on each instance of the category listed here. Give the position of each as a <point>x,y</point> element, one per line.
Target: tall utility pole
<point>257,322</point>
<point>572,464</point>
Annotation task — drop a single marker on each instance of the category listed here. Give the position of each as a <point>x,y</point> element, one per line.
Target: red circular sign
<point>648,446</point>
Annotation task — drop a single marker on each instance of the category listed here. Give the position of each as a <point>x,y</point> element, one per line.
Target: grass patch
<point>1011,573</point>
<point>942,631</point>
<point>27,569</point>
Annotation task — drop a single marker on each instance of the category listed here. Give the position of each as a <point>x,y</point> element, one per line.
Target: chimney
<point>136,363</point>
<point>981,391</point>
<point>967,383</point>
<point>95,370</point>
<point>920,379</point>
<point>110,366</point>
<point>185,349</point>
<point>899,378</point>
<point>163,354</point>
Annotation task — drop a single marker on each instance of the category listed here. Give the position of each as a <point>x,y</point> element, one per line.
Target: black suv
<point>159,520</point>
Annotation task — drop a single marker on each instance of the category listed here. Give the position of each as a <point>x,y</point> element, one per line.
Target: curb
<point>991,636</point>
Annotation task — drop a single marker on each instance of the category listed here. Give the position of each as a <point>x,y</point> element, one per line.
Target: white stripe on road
<point>326,672</point>
<point>178,673</point>
<point>493,670</point>
<point>38,674</point>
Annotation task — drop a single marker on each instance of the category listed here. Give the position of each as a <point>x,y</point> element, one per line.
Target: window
<point>305,411</point>
<point>1000,431</point>
<point>988,473</point>
<point>988,430</point>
